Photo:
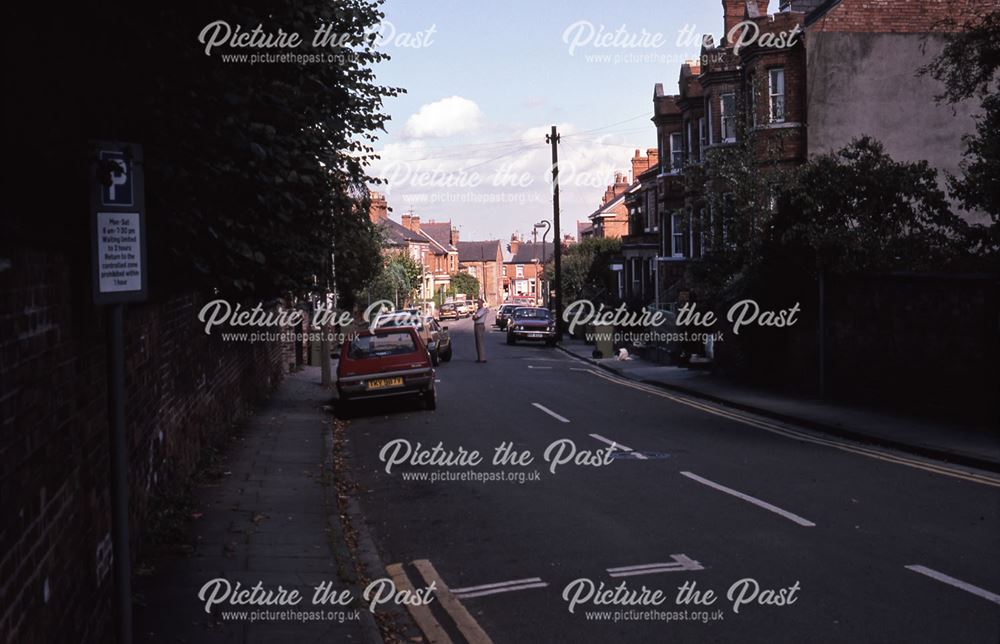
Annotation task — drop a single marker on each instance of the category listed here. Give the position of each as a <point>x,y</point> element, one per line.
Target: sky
<point>484,83</point>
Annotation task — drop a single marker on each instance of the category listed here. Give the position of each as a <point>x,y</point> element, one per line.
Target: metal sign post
<point>118,252</point>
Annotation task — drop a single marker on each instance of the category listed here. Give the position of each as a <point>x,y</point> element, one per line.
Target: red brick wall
<point>910,16</point>
<point>184,389</point>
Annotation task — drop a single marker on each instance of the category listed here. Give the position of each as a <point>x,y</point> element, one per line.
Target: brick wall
<point>184,389</point>
<point>911,16</point>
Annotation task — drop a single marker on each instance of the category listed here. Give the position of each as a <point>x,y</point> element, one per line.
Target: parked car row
<point>434,336</point>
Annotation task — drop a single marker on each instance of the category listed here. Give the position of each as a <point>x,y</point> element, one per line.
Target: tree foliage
<point>254,172</point>
<point>465,283</point>
<point>585,269</point>
<point>398,278</point>
<point>967,67</point>
<point>849,211</point>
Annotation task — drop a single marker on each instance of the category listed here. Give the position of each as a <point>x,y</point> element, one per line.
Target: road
<point>863,545</point>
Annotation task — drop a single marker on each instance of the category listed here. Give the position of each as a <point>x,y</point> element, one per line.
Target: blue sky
<point>466,142</point>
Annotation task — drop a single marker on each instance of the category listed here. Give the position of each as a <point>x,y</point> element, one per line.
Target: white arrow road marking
<point>551,413</point>
<point>619,446</point>
<point>499,587</point>
<point>957,583</point>
<point>679,563</point>
<point>749,499</point>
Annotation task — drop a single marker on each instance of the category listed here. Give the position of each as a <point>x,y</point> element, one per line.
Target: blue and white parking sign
<point>119,193</point>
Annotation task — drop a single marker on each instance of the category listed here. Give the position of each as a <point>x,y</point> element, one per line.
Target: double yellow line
<point>422,615</point>
<point>774,428</point>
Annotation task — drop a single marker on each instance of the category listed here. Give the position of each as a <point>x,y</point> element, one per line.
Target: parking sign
<point>118,223</point>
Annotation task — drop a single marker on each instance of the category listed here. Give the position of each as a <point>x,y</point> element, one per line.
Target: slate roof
<point>478,251</point>
<point>396,234</point>
<point>528,252</point>
<point>440,232</point>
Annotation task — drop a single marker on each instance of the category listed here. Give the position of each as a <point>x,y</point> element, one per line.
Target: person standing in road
<point>479,319</point>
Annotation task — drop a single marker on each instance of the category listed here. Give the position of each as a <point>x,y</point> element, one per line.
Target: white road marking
<point>749,499</point>
<point>623,448</point>
<point>679,563</point>
<point>499,587</point>
<point>531,366</point>
<point>498,584</point>
<point>551,413</point>
<point>578,369</point>
<point>945,470</point>
<point>957,583</point>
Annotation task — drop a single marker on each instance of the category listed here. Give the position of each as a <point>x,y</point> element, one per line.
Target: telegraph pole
<point>553,139</point>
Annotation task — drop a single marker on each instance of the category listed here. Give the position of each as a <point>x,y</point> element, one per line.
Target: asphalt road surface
<point>859,544</point>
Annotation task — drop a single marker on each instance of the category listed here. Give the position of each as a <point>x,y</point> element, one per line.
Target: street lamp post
<point>545,292</point>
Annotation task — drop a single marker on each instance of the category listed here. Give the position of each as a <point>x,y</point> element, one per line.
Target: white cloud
<point>443,118</point>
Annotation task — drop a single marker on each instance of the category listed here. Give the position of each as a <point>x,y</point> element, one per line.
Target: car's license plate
<point>534,334</point>
<point>384,383</point>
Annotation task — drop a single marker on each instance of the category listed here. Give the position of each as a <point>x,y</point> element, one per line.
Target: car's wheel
<point>435,359</point>
<point>430,399</point>
<point>511,339</point>
<point>446,356</point>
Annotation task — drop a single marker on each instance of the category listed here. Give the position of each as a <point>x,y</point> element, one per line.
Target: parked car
<point>448,312</point>
<point>503,315</point>
<point>385,362</point>
<point>531,323</point>
<point>435,337</point>
<point>464,309</point>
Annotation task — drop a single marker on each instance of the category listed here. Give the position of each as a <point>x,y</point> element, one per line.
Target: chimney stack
<point>407,224</point>
<point>454,237</point>
<point>733,13</point>
<point>379,209</point>
<point>515,244</point>
<point>639,165</point>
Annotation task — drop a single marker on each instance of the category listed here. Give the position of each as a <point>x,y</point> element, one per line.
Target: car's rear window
<point>381,345</point>
<point>402,319</point>
<point>532,314</point>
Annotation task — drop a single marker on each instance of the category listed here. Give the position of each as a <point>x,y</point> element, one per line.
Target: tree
<point>398,278</point>
<point>254,172</point>
<point>465,283</point>
<point>859,210</point>
<point>585,269</point>
<point>967,66</point>
<point>850,211</point>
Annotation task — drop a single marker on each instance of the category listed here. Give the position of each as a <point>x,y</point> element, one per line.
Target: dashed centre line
<point>957,583</point>
<point>561,419</point>
<point>749,499</point>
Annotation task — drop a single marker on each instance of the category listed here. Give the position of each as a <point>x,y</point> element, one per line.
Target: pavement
<point>664,492</point>
<point>271,518</point>
<point>951,442</point>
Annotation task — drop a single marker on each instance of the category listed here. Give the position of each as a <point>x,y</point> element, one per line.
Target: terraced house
<point>754,87</point>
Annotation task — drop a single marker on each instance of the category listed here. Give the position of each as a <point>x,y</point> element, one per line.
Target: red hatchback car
<point>386,362</point>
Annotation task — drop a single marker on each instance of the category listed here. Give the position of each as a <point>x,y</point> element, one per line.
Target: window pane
<point>777,81</point>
